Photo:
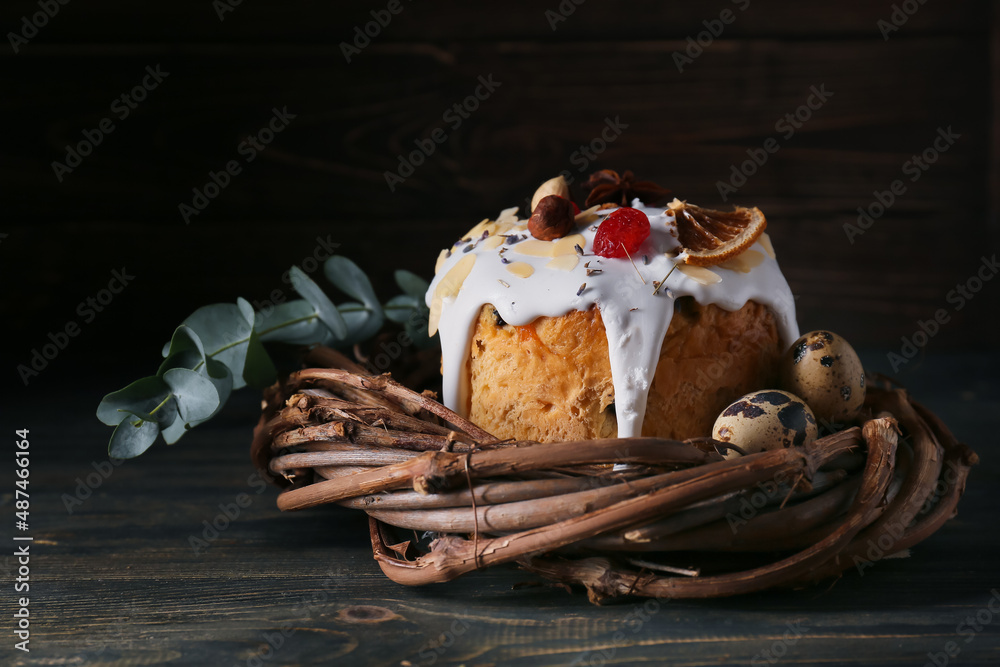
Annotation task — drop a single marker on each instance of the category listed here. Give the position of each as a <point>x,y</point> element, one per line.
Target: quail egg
<point>824,369</point>
<point>764,420</point>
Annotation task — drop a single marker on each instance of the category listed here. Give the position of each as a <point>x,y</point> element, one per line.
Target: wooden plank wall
<point>324,174</point>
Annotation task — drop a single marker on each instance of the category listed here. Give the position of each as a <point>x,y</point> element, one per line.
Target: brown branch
<point>345,431</point>
<point>384,385</point>
<point>433,470</point>
<point>602,581</point>
<point>348,456</point>
<point>698,528</point>
<point>451,557</point>
<point>318,410</point>
<point>490,493</point>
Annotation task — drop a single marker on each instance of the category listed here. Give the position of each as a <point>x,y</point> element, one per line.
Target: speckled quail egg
<point>824,369</point>
<point>764,420</point>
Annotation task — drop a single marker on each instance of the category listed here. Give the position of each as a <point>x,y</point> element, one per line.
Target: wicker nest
<point>668,523</point>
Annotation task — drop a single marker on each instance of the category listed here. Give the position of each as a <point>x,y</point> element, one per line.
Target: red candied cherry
<point>622,231</point>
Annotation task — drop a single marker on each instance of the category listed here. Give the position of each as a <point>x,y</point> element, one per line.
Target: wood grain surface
<point>117,580</point>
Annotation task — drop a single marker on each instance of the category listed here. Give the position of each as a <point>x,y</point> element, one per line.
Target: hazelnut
<point>553,186</point>
<point>552,218</point>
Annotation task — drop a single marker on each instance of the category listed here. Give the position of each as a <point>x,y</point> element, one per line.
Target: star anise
<point>606,186</point>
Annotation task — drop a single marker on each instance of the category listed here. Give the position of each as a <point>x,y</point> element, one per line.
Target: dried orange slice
<point>711,237</point>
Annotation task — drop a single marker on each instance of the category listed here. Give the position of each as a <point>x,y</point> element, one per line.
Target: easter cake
<point>620,320</point>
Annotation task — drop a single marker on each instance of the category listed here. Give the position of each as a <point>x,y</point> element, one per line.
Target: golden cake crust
<point>551,380</point>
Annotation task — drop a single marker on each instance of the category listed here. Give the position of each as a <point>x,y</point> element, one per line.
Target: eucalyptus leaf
<point>259,370</point>
<point>184,339</point>
<point>294,322</point>
<point>400,308</point>
<point>218,374</point>
<point>175,431</point>
<point>224,331</point>
<point>350,279</point>
<point>325,309</point>
<point>411,284</point>
<point>142,397</point>
<point>129,441</point>
<point>196,396</point>
<point>412,314</point>
<point>183,351</point>
<point>215,371</point>
<point>181,359</point>
<point>246,310</point>
<point>364,320</point>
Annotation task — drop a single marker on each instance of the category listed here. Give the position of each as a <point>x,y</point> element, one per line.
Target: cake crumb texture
<point>551,380</point>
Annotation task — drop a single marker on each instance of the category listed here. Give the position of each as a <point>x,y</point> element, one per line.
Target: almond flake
<point>448,287</point>
<point>563,263</point>
<point>765,241</point>
<point>492,242</point>
<point>743,262</point>
<point>521,269</point>
<point>699,274</point>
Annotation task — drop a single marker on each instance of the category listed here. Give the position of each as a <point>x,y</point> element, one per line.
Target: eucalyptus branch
<point>221,348</point>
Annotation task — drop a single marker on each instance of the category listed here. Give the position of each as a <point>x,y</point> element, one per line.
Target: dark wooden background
<point>323,176</point>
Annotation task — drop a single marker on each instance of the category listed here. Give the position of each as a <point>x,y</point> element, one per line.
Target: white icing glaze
<point>635,319</point>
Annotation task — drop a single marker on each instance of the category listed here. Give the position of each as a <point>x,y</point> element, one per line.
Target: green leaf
<point>214,371</point>
<point>183,351</point>
<point>294,322</point>
<point>363,320</point>
<point>197,398</point>
<point>187,353</point>
<point>129,440</point>
<point>224,331</point>
<point>175,431</point>
<point>141,397</point>
<point>411,284</point>
<point>218,374</point>
<point>189,359</point>
<point>325,309</point>
<point>185,338</point>
<point>259,371</point>
<point>350,279</point>
<point>246,310</point>
<point>400,308</point>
